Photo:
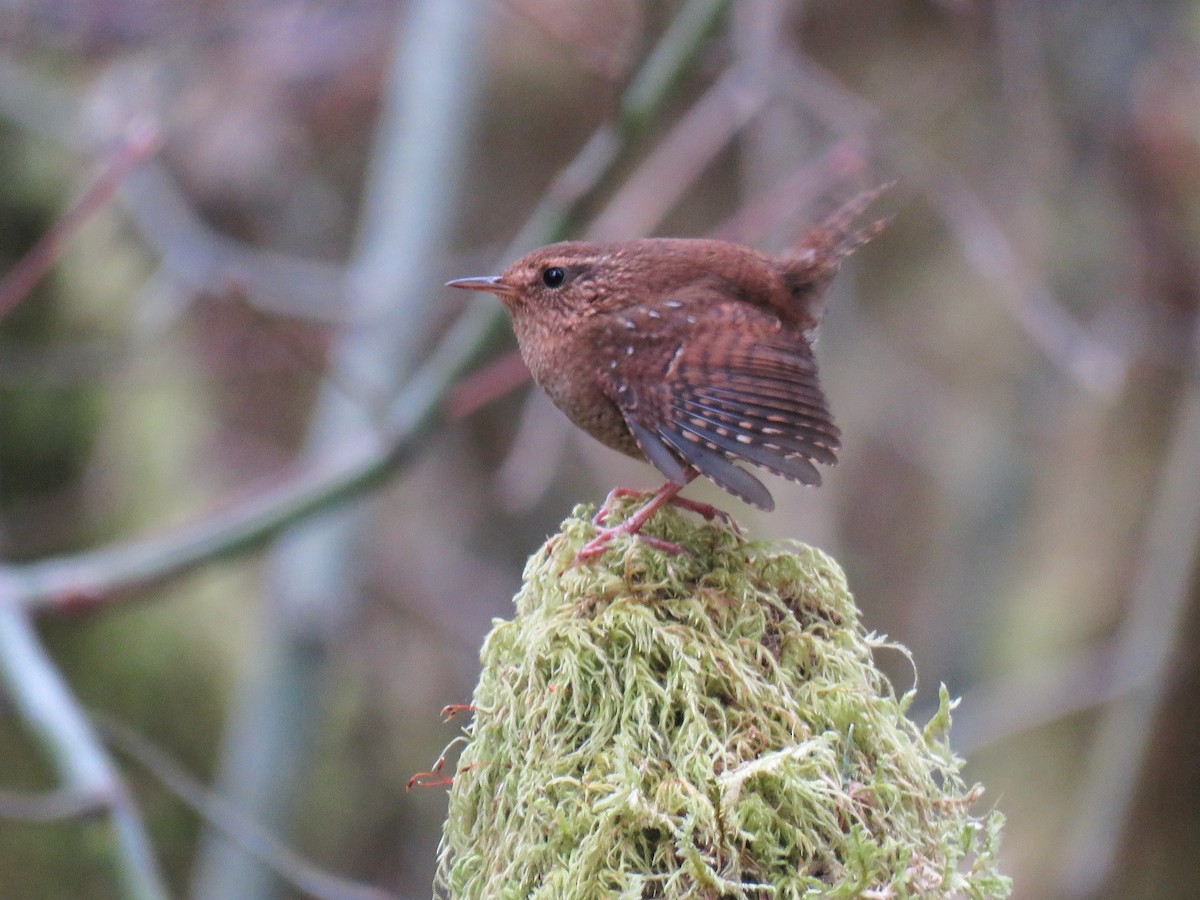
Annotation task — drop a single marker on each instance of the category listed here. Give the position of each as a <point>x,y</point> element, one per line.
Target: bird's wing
<point>733,385</point>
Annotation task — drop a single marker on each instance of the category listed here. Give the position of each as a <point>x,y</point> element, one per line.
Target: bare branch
<point>53,715</point>
<point>681,156</point>
<point>51,806</point>
<point>221,814</point>
<point>1065,342</point>
<point>141,142</point>
<point>197,257</point>
<point>1147,644</point>
<point>201,260</point>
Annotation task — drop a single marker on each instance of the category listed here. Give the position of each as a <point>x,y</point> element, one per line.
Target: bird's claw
<point>605,508</point>
<point>604,537</point>
<point>707,511</point>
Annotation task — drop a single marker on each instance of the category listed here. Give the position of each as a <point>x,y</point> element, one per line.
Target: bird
<point>692,354</point>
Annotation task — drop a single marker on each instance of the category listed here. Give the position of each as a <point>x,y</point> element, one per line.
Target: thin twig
<point>1065,343</point>
<point>92,579</point>
<point>1038,695</point>
<point>1034,140</point>
<point>51,806</point>
<point>775,210</point>
<point>315,571</point>
<point>1147,645</point>
<point>664,69</point>
<point>606,53</point>
<point>197,258</point>
<point>54,717</point>
<point>681,156</point>
<point>487,384</point>
<point>590,172</point>
<point>224,816</point>
<point>141,142</point>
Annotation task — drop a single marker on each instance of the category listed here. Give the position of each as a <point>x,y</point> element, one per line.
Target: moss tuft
<point>704,725</point>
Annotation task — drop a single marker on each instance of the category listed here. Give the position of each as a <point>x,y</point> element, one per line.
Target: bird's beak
<point>493,284</point>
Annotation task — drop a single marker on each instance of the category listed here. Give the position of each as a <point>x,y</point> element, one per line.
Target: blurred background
<point>273,194</point>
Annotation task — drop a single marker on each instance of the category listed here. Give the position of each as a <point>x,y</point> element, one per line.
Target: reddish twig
<point>141,142</point>
<point>486,384</point>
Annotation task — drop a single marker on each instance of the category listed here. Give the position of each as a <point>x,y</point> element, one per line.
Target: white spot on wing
<point>674,357</point>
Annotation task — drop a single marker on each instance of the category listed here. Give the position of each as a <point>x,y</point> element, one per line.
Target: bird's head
<point>565,278</point>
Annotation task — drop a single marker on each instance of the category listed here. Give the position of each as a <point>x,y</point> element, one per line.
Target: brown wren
<point>691,354</point>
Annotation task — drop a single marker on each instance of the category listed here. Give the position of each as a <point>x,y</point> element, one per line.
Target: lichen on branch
<point>710,724</point>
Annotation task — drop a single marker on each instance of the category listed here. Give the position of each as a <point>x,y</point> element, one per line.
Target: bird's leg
<point>668,493</point>
<point>706,510</point>
<point>633,524</point>
<point>614,495</point>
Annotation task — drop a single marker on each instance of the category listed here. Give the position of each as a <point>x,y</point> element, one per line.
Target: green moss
<point>703,725</point>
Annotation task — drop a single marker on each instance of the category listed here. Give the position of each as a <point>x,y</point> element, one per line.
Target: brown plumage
<point>691,354</point>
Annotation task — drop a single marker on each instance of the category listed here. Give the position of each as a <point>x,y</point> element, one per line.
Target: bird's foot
<point>604,536</point>
<point>615,494</point>
<point>633,525</point>
<point>707,511</point>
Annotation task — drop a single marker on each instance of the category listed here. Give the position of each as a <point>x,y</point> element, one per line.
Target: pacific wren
<point>691,354</point>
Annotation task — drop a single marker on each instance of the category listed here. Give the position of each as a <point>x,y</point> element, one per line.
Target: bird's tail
<point>811,264</point>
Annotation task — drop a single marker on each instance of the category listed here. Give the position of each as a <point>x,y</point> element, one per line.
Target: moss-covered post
<point>709,724</point>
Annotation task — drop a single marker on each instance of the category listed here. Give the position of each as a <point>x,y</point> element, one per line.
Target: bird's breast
<point>565,361</point>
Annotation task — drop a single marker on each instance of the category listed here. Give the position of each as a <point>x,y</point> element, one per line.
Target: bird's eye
<point>553,276</point>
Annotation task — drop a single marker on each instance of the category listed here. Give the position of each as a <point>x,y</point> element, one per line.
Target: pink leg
<point>707,510</point>
<point>633,525</point>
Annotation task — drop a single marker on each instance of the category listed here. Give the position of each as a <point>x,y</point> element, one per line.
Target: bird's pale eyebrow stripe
<point>575,261</point>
